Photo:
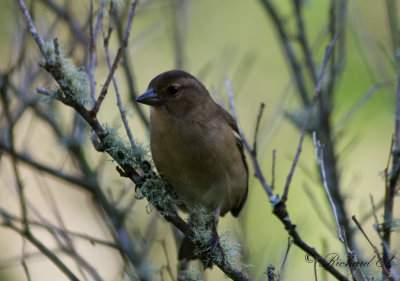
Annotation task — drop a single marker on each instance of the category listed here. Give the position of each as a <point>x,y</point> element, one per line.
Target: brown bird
<point>196,145</point>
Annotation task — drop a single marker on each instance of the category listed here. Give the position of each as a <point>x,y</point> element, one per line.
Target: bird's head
<point>177,91</point>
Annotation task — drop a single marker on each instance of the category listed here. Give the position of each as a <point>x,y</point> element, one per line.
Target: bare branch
<point>42,248</point>
<point>256,165</point>
<point>384,268</point>
<point>317,91</point>
<point>290,242</point>
<point>119,101</point>
<point>293,60</point>
<point>121,49</point>
<point>92,47</point>
<point>320,160</point>
<point>32,29</point>
<point>260,112</point>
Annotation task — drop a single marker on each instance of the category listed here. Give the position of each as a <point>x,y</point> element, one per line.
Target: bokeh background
<point>213,40</point>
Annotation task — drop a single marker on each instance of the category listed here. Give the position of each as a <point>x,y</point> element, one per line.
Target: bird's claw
<point>213,244</point>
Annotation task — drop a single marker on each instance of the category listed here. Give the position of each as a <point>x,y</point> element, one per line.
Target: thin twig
<point>306,121</point>
<point>290,53</point>
<point>53,228</point>
<point>273,169</point>
<point>366,216</point>
<point>390,190</point>
<point>376,226</point>
<point>119,102</point>
<point>290,242</point>
<point>180,23</point>
<point>320,160</point>
<point>128,71</point>
<point>384,268</point>
<point>76,29</point>
<point>367,96</point>
<point>44,250</point>
<point>315,271</point>
<point>92,47</point>
<point>23,261</point>
<point>56,173</point>
<point>121,49</point>
<point>256,165</point>
<point>32,29</point>
<point>351,256</point>
<point>302,37</point>
<point>260,112</point>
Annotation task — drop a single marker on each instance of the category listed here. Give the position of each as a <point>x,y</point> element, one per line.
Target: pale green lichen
<point>231,249</point>
<point>154,188</point>
<point>202,232</point>
<point>191,275</point>
<point>74,78</point>
<point>158,195</point>
<point>395,224</point>
<point>202,220</point>
<point>122,150</point>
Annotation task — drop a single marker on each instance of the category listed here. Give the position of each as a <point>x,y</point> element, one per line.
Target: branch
<point>119,102</point>
<point>319,154</point>
<point>32,29</point>
<point>317,92</point>
<point>293,60</point>
<point>121,49</point>
<point>256,165</point>
<point>129,77</point>
<point>302,37</point>
<point>384,269</point>
<point>56,173</point>
<point>390,190</point>
<point>92,47</point>
<point>42,248</point>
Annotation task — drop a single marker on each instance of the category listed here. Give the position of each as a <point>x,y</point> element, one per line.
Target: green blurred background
<point>233,39</point>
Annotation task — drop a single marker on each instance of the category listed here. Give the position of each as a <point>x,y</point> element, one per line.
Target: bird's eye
<point>172,90</point>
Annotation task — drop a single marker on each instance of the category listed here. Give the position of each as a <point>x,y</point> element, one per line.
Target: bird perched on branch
<point>196,146</point>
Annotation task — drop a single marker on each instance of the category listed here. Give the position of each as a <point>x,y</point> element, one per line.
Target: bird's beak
<point>150,97</point>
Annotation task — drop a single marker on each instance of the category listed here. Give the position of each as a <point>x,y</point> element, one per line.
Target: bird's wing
<point>232,123</point>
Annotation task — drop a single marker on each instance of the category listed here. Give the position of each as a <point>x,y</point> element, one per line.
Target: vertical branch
<point>376,251</point>
<point>179,22</point>
<point>32,29</point>
<point>92,48</point>
<point>317,92</point>
<point>120,51</point>
<point>390,189</point>
<point>293,60</point>
<point>117,93</point>
<point>129,77</point>
<point>325,132</point>
<point>393,23</point>
<point>321,163</point>
<point>304,43</point>
<point>20,187</point>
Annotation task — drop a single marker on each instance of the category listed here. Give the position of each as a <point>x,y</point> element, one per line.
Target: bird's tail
<point>186,251</point>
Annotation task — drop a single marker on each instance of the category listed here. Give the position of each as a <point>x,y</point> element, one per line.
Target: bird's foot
<point>212,245</point>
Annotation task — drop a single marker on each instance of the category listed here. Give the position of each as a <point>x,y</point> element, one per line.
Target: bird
<point>196,147</point>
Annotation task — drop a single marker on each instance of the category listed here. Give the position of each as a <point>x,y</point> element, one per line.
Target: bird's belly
<point>189,165</point>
